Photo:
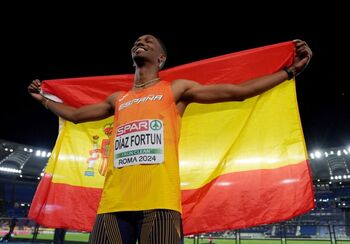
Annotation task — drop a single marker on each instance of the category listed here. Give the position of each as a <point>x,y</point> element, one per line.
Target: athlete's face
<point>148,48</point>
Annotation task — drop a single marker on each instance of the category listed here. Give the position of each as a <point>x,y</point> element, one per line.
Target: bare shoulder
<point>112,99</point>
<point>180,86</point>
<point>184,83</point>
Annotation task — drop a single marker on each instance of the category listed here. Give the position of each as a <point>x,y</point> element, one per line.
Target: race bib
<point>139,142</point>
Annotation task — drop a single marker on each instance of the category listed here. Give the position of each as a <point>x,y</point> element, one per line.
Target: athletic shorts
<point>160,226</point>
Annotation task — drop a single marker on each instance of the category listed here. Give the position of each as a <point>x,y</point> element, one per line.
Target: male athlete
<point>141,196</point>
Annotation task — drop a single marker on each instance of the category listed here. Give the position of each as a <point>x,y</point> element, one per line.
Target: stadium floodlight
<point>6,149</point>
<point>339,153</point>
<point>340,177</point>
<point>30,150</point>
<point>38,178</point>
<point>25,149</point>
<point>345,176</point>
<point>336,177</point>
<point>318,154</point>
<point>10,170</point>
<point>43,154</point>
<point>332,178</point>
<point>326,154</point>
<point>37,153</point>
<point>345,152</point>
<point>48,154</point>
<point>312,155</point>
<point>330,182</point>
<point>318,180</point>
<point>331,152</point>
<point>42,174</point>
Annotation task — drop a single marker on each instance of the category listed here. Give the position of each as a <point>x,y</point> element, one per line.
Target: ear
<point>161,61</point>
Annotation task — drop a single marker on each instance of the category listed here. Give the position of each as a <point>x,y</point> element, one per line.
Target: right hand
<point>34,90</point>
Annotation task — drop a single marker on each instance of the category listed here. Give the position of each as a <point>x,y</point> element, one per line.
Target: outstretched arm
<point>194,92</point>
<point>76,115</point>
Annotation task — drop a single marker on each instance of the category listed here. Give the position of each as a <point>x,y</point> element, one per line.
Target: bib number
<point>139,142</point>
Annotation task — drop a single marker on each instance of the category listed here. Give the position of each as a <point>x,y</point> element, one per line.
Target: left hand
<point>303,55</point>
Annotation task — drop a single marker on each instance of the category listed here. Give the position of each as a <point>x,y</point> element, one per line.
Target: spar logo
<point>136,126</point>
<point>156,125</point>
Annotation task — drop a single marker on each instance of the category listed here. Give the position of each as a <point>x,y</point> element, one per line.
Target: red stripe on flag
<point>65,206</point>
<point>229,68</point>
<point>255,197</point>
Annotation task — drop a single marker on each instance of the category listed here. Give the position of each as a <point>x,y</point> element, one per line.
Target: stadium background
<point>21,166</point>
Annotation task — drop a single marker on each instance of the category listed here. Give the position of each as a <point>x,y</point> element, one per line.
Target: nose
<point>139,43</point>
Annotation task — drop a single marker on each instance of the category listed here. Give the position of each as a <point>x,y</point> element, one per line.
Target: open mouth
<point>138,50</point>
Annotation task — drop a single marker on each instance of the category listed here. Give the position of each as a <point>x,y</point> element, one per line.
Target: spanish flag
<point>242,163</point>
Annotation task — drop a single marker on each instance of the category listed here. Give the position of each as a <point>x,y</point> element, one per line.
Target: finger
<point>301,50</point>
<point>304,53</point>
<point>308,57</point>
<point>301,53</point>
<point>37,82</point>
<point>304,62</point>
<point>300,44</point>
<point>33,86</point>
<point>32,89</point>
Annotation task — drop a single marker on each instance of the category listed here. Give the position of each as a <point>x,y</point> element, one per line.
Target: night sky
<point>54,46</point>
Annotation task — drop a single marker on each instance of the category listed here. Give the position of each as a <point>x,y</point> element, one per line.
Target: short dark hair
<point>162,45</point>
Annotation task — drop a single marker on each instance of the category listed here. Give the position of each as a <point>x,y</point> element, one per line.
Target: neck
<point>145,76</point>
<point>146,83</point>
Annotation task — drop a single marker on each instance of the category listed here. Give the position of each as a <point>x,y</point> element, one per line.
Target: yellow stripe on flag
<point>263,132</point>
